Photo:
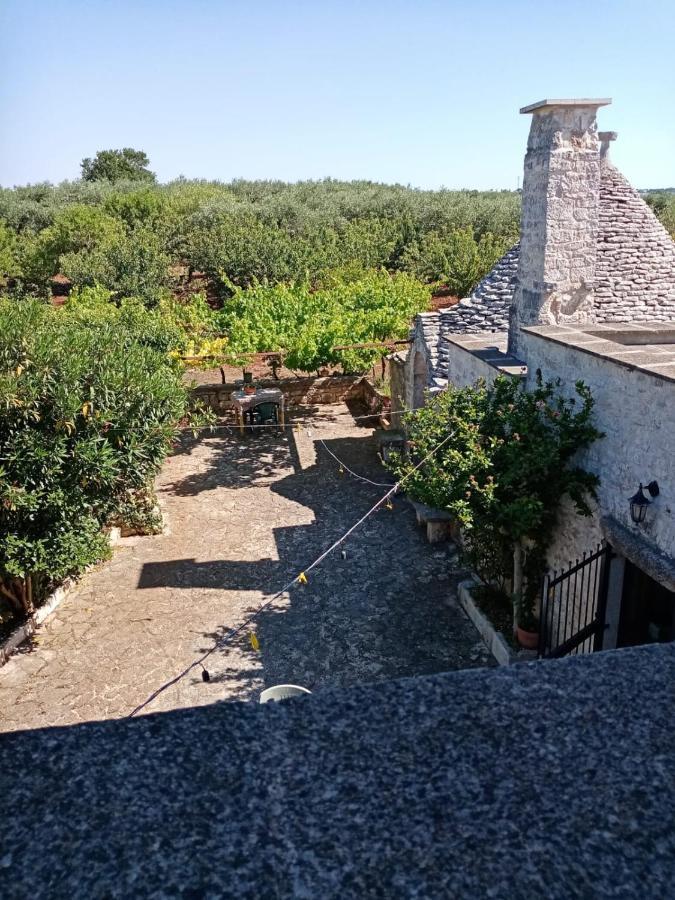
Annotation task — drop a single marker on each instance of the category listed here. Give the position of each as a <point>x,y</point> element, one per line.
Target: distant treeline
<point>663,203</point>
<point>143,239</point>
<point>137,239</point>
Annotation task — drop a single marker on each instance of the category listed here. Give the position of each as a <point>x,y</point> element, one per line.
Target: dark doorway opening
<point>647,610</point>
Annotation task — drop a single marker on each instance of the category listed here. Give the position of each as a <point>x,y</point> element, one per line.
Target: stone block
<point>439,531</point>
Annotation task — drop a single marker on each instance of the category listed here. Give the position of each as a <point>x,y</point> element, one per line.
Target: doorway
<point>647,610</point>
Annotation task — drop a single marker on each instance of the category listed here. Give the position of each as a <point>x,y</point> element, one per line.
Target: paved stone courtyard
<point>245,515</point>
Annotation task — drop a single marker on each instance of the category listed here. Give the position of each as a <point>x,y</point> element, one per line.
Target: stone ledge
<point>656,364</point>
<point>28,629</point>
<point>567,102</point>
<point>494,640</point>
<point>632,543</point>
<point>490,349</point>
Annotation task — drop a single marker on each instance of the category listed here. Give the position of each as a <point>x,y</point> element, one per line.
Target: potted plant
<point>527,625</point>
<point>249,387</point>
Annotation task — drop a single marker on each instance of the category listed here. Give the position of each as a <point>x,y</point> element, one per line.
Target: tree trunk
<point>28,594</point>
<point>517,583</point>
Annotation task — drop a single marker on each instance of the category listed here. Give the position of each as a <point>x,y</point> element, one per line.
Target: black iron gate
<point>574,605</point>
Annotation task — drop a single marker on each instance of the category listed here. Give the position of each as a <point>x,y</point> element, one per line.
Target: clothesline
<point>301,578</point>
<point>373,415</point>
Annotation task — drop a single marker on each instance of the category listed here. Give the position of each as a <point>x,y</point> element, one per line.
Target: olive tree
<point>118,165</point>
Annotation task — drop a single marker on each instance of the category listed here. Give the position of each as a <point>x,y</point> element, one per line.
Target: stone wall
<point>487,308</point>
<point>397,380</point>
<point>306,391</point>
<point>635,273</point>
<point>635,410</point>
<point>474,357</point>
<point>559,219</point>
<point>422,359</point>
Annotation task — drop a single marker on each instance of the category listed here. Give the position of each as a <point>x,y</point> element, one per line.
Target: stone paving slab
<point>245,515</point>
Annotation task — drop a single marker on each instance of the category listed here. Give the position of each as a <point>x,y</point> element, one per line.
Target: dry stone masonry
<point>559,218</point>
<point>635,270</point>
<point>487,309</point>
<point>591,249</point>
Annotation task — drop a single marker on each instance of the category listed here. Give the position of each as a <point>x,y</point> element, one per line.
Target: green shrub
<point>9,263</point>
<point>506,461</point>
<point>663,204</point>
<point>89,402</point>
<point>249,232</point>
<point>241,248</point>
<point>146,207</point>
<point>118,165</point>
<point>305,325</point>
<point>76,231</point>
<point>455,259</point>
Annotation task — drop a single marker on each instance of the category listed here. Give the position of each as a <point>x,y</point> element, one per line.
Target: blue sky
<point>422,93</point>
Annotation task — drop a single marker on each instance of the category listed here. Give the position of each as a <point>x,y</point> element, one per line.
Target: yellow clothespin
<point>389,504</point>
<point>341,470</point>
<point>302,578</point>
<point>253,638</point>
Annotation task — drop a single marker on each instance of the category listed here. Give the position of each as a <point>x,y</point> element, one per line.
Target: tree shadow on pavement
<point>381,610</point>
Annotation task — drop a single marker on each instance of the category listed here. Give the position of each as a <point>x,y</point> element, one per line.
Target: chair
<point>266,414</point>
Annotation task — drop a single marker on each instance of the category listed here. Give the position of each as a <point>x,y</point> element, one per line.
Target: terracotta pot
<point>249,389</point>
<point>527,639</point>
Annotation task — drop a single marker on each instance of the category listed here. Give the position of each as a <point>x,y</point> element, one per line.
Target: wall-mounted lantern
<point>639,503</point>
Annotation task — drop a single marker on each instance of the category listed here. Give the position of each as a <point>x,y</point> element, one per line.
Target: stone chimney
<point>559,218</point>
<point>606,138</point>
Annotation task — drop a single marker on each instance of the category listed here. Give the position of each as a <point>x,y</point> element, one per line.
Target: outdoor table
<point>243,403</point>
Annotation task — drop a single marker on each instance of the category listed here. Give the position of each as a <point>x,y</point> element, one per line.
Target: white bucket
<point>282,692</point>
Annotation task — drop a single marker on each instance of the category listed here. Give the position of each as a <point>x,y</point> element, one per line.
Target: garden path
<point>245,515</point>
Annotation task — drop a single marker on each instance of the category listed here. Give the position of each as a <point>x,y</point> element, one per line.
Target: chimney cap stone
<point>541,105</point>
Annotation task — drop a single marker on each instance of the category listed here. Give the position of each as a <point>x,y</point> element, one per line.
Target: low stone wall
<point>27,629</point>
<point>469,358</point>
<point>22,632</point>
<point>373,400</point>
<point>301,391</point>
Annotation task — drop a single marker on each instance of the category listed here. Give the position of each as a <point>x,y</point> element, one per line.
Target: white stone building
<point>588,293</point>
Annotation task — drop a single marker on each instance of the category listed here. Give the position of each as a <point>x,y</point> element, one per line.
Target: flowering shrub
<point>508,463</point>
<point>89,403</point>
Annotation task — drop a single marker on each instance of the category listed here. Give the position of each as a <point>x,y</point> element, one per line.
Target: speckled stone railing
<point>550,779</point>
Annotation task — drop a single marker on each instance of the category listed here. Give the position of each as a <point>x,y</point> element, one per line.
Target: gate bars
<point>573,606</point>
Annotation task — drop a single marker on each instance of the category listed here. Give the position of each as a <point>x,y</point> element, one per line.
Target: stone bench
<point>440,524</point>
<point>388,440</point>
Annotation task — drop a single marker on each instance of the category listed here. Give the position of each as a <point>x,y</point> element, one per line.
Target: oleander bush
<point>90,400</point>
